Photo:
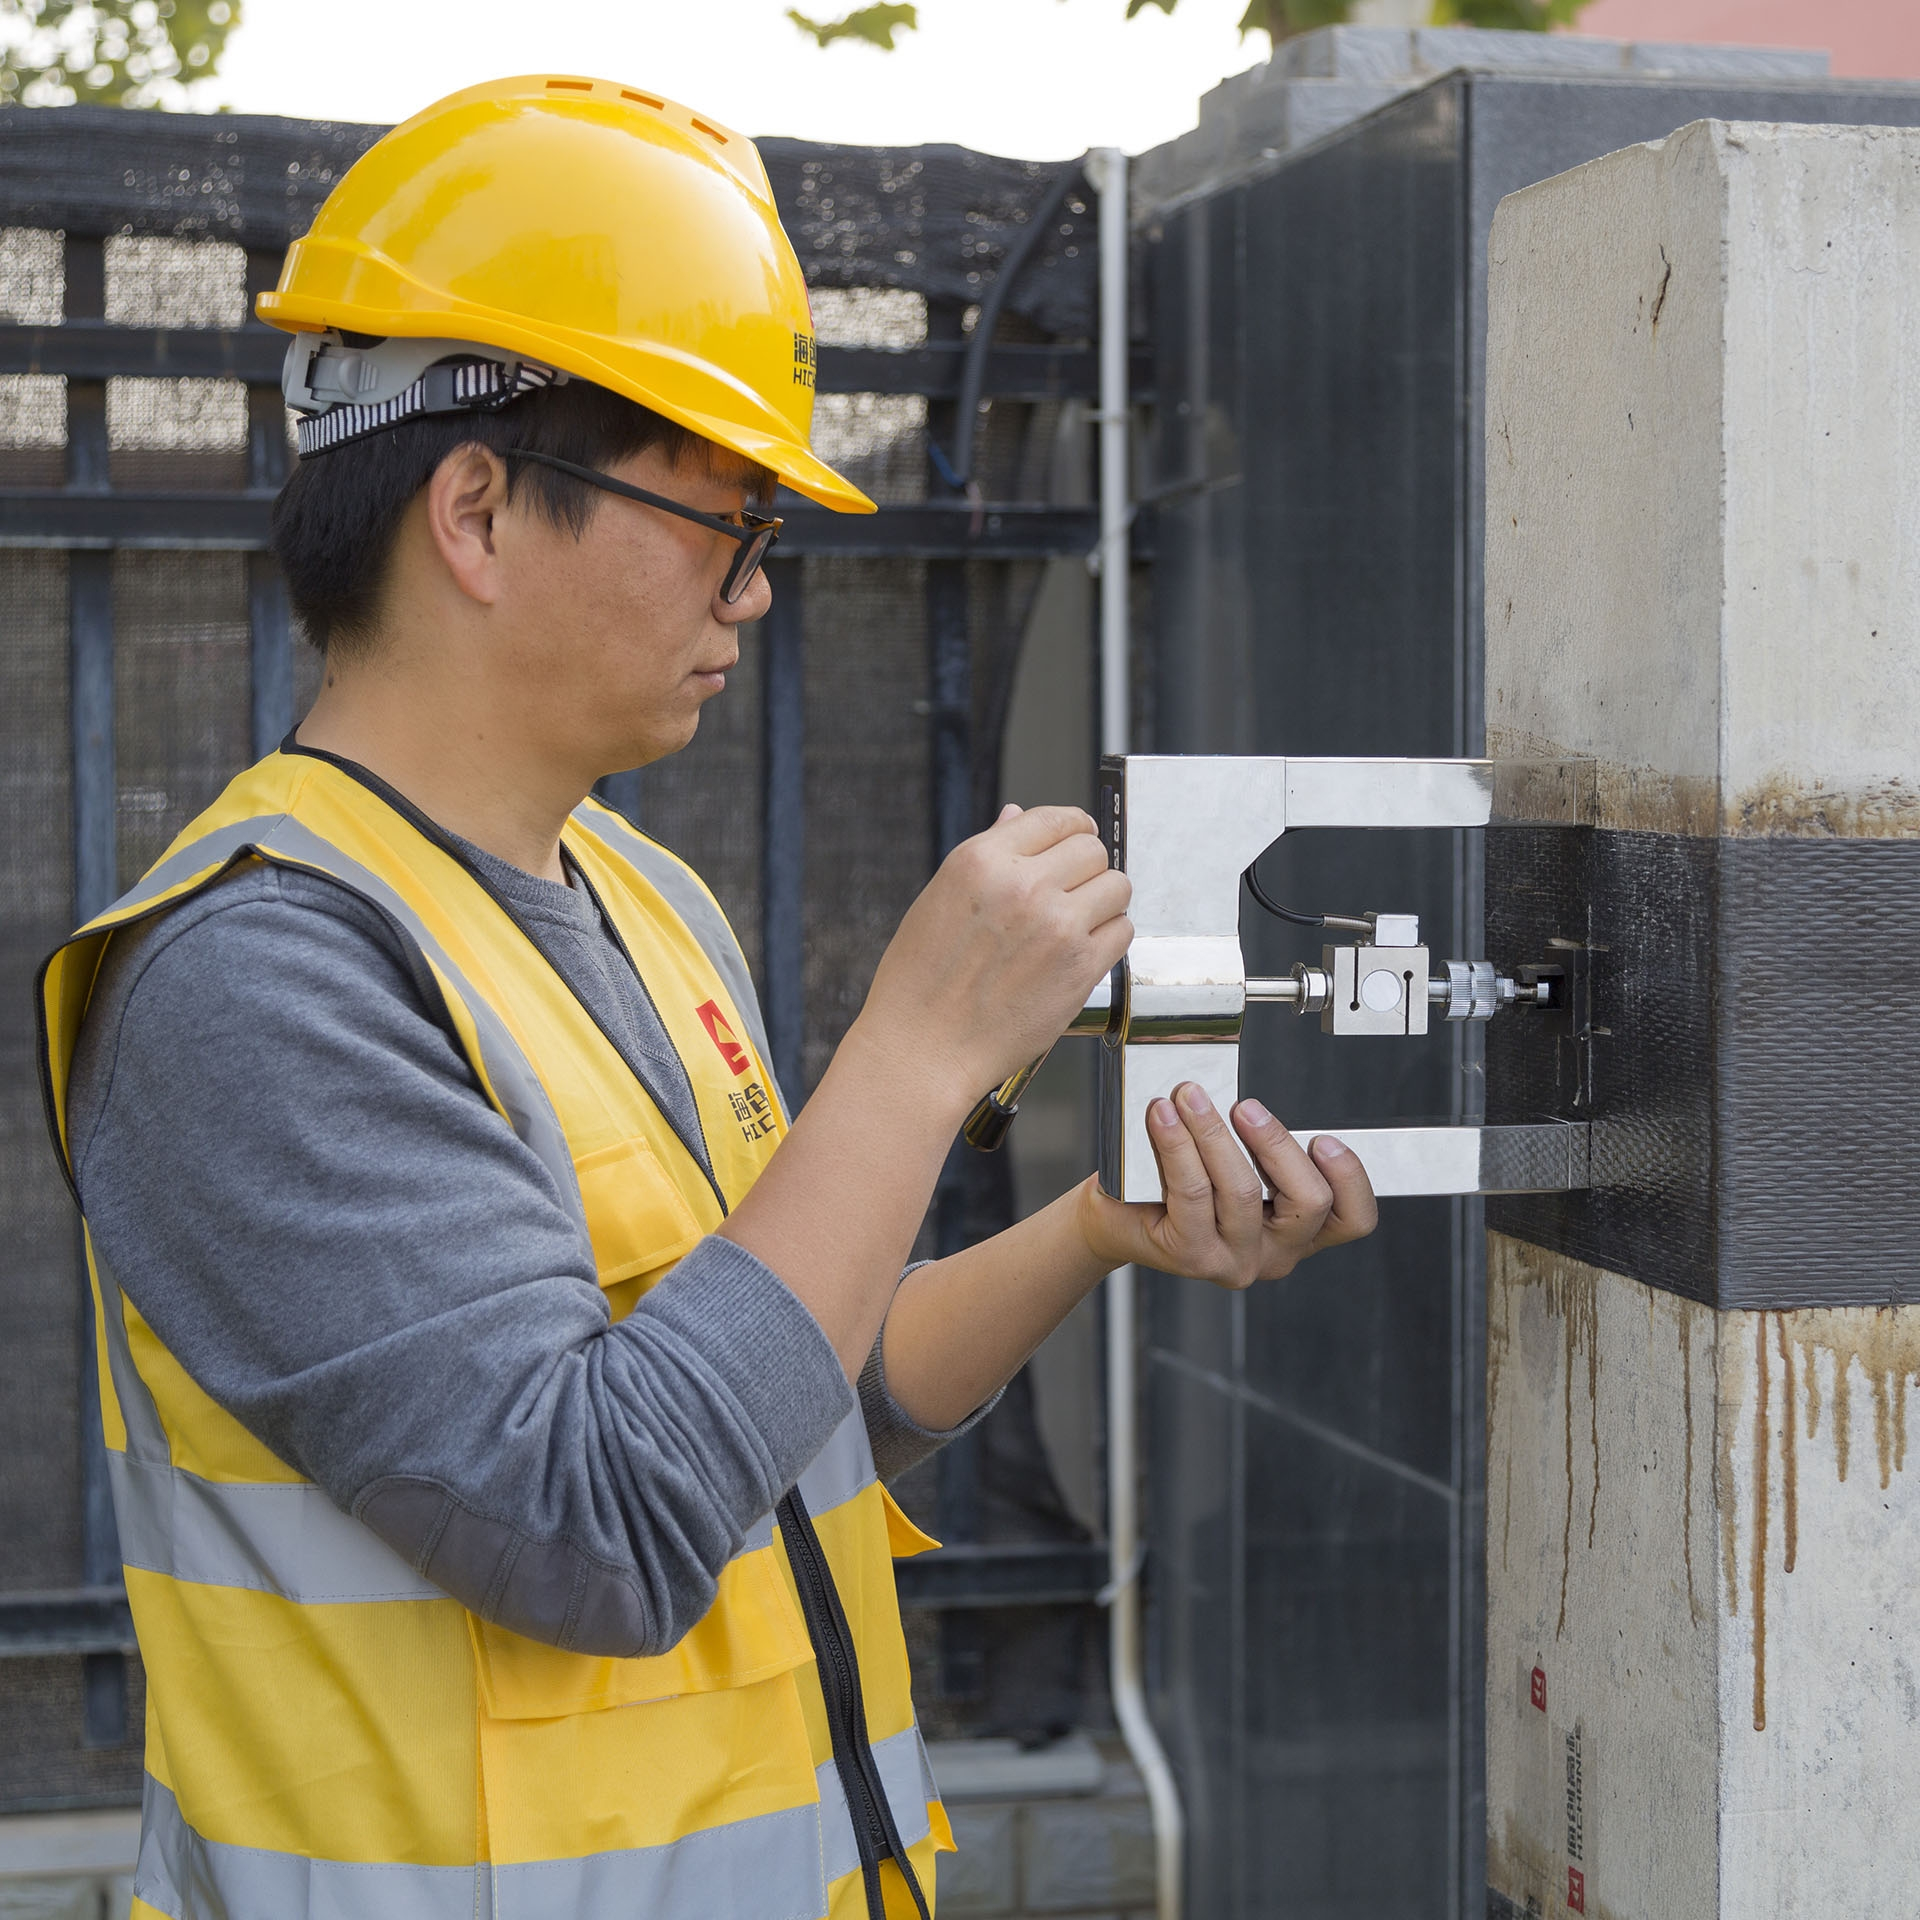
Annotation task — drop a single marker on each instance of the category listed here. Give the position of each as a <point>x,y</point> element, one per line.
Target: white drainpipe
<point>1107,169</point>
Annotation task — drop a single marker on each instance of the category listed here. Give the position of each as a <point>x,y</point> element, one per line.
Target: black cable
<point>957,472</point>
<point>1342,922</point>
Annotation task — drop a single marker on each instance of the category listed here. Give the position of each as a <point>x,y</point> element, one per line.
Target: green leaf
<point>1516,16</point>
<point>1282,19</point>
<point>875,25</point>
<point>126,53</point>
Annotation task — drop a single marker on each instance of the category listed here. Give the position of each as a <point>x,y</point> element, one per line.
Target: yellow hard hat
<point>595,229</point>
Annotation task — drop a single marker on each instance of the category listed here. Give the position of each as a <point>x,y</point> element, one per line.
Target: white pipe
<point>1108,170</point>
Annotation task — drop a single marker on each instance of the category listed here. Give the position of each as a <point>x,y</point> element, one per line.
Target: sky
<point>1043,79</point>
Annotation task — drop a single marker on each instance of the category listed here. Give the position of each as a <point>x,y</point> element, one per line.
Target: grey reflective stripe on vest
<point>905,1778</point>
<point>513,1079</point>
<point>698,914</point>
<point>280,1537</point>
<point>288,1538</point>
<point>190,1878</point>
<point>777,1866</point>
<point>841,1469</point>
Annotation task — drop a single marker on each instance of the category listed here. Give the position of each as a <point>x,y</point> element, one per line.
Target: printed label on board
<point>1552,1805</point>
<point>1573,1747</point>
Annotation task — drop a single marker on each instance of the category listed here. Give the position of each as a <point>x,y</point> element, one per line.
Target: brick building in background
<point>1878,38</point>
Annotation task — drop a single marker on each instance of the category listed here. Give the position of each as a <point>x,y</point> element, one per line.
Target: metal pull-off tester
<point>1186,829</point>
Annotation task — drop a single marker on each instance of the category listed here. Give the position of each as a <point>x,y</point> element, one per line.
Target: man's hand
<point>1001,950</point>
<point>1217,1223</point>
<point>991,962</point>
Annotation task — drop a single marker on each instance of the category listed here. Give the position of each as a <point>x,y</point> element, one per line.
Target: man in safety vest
<point>498,1388</point>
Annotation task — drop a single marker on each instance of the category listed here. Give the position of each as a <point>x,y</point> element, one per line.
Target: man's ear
<point>467,491</point>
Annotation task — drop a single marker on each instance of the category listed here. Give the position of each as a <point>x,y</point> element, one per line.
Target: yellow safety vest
<point>327,1732</point>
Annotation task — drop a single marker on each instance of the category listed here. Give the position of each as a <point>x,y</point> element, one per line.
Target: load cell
<point>1187,829</point>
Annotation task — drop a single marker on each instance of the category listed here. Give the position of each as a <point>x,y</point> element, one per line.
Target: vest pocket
<point>904,1539</point>
<point>752,1631</point>
<point>636,1218</point>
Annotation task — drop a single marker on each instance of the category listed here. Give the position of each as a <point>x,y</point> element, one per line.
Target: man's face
<point>620,638</point>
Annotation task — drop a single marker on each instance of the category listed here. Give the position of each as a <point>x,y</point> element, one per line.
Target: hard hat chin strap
<point>344,392</point>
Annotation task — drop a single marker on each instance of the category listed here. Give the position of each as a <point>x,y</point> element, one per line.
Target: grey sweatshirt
<point>286,1161</point>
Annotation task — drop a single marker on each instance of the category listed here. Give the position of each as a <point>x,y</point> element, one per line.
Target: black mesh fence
<point>146,654</point>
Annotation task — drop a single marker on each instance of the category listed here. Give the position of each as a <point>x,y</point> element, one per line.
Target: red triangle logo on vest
<point>731,1051</point>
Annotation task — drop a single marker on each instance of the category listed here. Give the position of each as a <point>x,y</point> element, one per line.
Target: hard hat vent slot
<point>712,133</point>
<point>570,86</point>
<point>645,99</point>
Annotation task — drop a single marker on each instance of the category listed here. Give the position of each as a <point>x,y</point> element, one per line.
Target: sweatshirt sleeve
<point>288,1164</point>
<point>897,1440</point>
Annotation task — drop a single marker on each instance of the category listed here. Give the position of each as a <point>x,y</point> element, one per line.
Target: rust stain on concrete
<point>1789,1450</point>
<point>1726,1483</point>
<point>1572,1291</point>
<point>1780,804</point>
<point>1630,798</point>
<point>1762,1451</point>
<point>1649,800</point>
<point>1884,1343</point>
<point>1593,1426</point>
<point>1842,1414</point>
<point>1506,1524</point>
<point>1684,1324</point>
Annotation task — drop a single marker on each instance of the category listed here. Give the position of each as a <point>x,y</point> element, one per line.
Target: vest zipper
<point>875,1833</point>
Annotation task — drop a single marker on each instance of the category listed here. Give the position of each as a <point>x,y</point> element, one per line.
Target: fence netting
<point>190,214</point>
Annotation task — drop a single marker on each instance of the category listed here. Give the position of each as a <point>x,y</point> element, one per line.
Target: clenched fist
<point>1003,947</point>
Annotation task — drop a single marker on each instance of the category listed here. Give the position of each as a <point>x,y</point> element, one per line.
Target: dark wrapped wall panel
<point>1316,1448</point>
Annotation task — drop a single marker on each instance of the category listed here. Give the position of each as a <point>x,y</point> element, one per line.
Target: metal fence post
<point>783,836</point>
<point>270,623</point>
<point>95,883</point>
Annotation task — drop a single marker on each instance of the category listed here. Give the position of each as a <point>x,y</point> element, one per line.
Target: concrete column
<point>1703,576</point>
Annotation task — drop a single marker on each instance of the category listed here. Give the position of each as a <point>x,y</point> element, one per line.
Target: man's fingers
<point>1355,1211</point>
<point>1039,828</point>
<point>1237,1192</point>
<point>1183,1176</point>
<point>1103,898</point>
<point>1300,1192</point>
<point>1070,862</point>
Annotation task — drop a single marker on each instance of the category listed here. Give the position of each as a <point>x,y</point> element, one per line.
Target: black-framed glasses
<point>755,532</point>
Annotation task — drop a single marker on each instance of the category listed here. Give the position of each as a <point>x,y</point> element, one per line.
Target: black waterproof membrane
<point>1745,1057</point>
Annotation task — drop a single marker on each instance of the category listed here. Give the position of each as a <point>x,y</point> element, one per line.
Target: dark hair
<point>337,518</point>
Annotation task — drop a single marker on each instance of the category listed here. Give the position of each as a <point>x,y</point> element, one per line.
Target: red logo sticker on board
<point>1576,1890</point>
<point>1537,1688</point>
<point>731,1051</point>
